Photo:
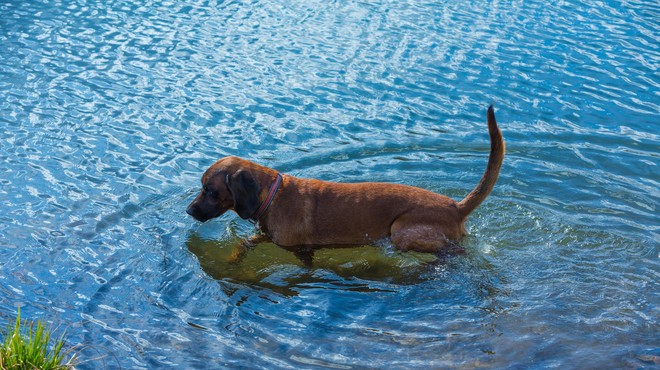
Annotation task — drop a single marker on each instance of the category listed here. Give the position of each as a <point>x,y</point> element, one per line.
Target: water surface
<point>111,111</point>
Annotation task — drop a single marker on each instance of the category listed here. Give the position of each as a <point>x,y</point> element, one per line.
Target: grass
<point>26,347</point>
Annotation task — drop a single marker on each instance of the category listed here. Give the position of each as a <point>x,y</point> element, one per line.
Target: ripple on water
<point>113,111</point>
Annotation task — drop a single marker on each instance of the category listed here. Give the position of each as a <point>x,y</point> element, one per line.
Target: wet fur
<point>307,214</point>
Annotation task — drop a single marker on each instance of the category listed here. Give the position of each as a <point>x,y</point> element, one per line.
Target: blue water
<point>110,112</point>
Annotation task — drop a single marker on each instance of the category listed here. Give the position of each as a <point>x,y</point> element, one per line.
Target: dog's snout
<point>192,209</point>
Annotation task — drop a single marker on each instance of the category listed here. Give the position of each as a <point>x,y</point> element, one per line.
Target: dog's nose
<point>189,210</point>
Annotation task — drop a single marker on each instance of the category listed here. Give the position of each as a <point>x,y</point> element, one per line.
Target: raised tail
<point>489,178</point>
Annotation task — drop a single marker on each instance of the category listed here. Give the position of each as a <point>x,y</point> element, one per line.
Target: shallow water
<point>112,110</point>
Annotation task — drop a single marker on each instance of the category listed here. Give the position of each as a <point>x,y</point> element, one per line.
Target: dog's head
<point>230,183</point>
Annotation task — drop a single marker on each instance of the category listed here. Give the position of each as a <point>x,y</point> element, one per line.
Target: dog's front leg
<point>306,256</point>
<point>241,249</point>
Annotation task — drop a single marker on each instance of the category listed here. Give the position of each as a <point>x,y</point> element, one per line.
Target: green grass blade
<point>26,344</point>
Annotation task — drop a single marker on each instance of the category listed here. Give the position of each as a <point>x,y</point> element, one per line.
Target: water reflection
<point>357,269</point>
<point>370,296</point>
<point>111,110</point>
<point>268,265</point>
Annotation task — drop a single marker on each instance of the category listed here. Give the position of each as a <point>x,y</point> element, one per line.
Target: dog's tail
<point>485,185</point>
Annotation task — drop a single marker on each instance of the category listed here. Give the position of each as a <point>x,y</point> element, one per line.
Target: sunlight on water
<point>111,112</point>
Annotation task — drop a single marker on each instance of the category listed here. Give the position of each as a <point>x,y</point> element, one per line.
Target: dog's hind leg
<point>417,237</point>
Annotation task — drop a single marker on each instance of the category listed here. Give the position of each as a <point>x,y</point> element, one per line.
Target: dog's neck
<point>269,199</point>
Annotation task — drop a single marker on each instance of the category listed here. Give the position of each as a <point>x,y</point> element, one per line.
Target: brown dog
<point>303,214</point>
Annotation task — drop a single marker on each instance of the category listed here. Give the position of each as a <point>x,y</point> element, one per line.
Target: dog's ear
<point>244,192</point>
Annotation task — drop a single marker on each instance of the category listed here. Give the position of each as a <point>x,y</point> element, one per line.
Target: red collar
<point>269,199</point>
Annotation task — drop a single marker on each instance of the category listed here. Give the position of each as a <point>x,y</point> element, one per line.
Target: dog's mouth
<point>201,216</point>
<point>191,211</point>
